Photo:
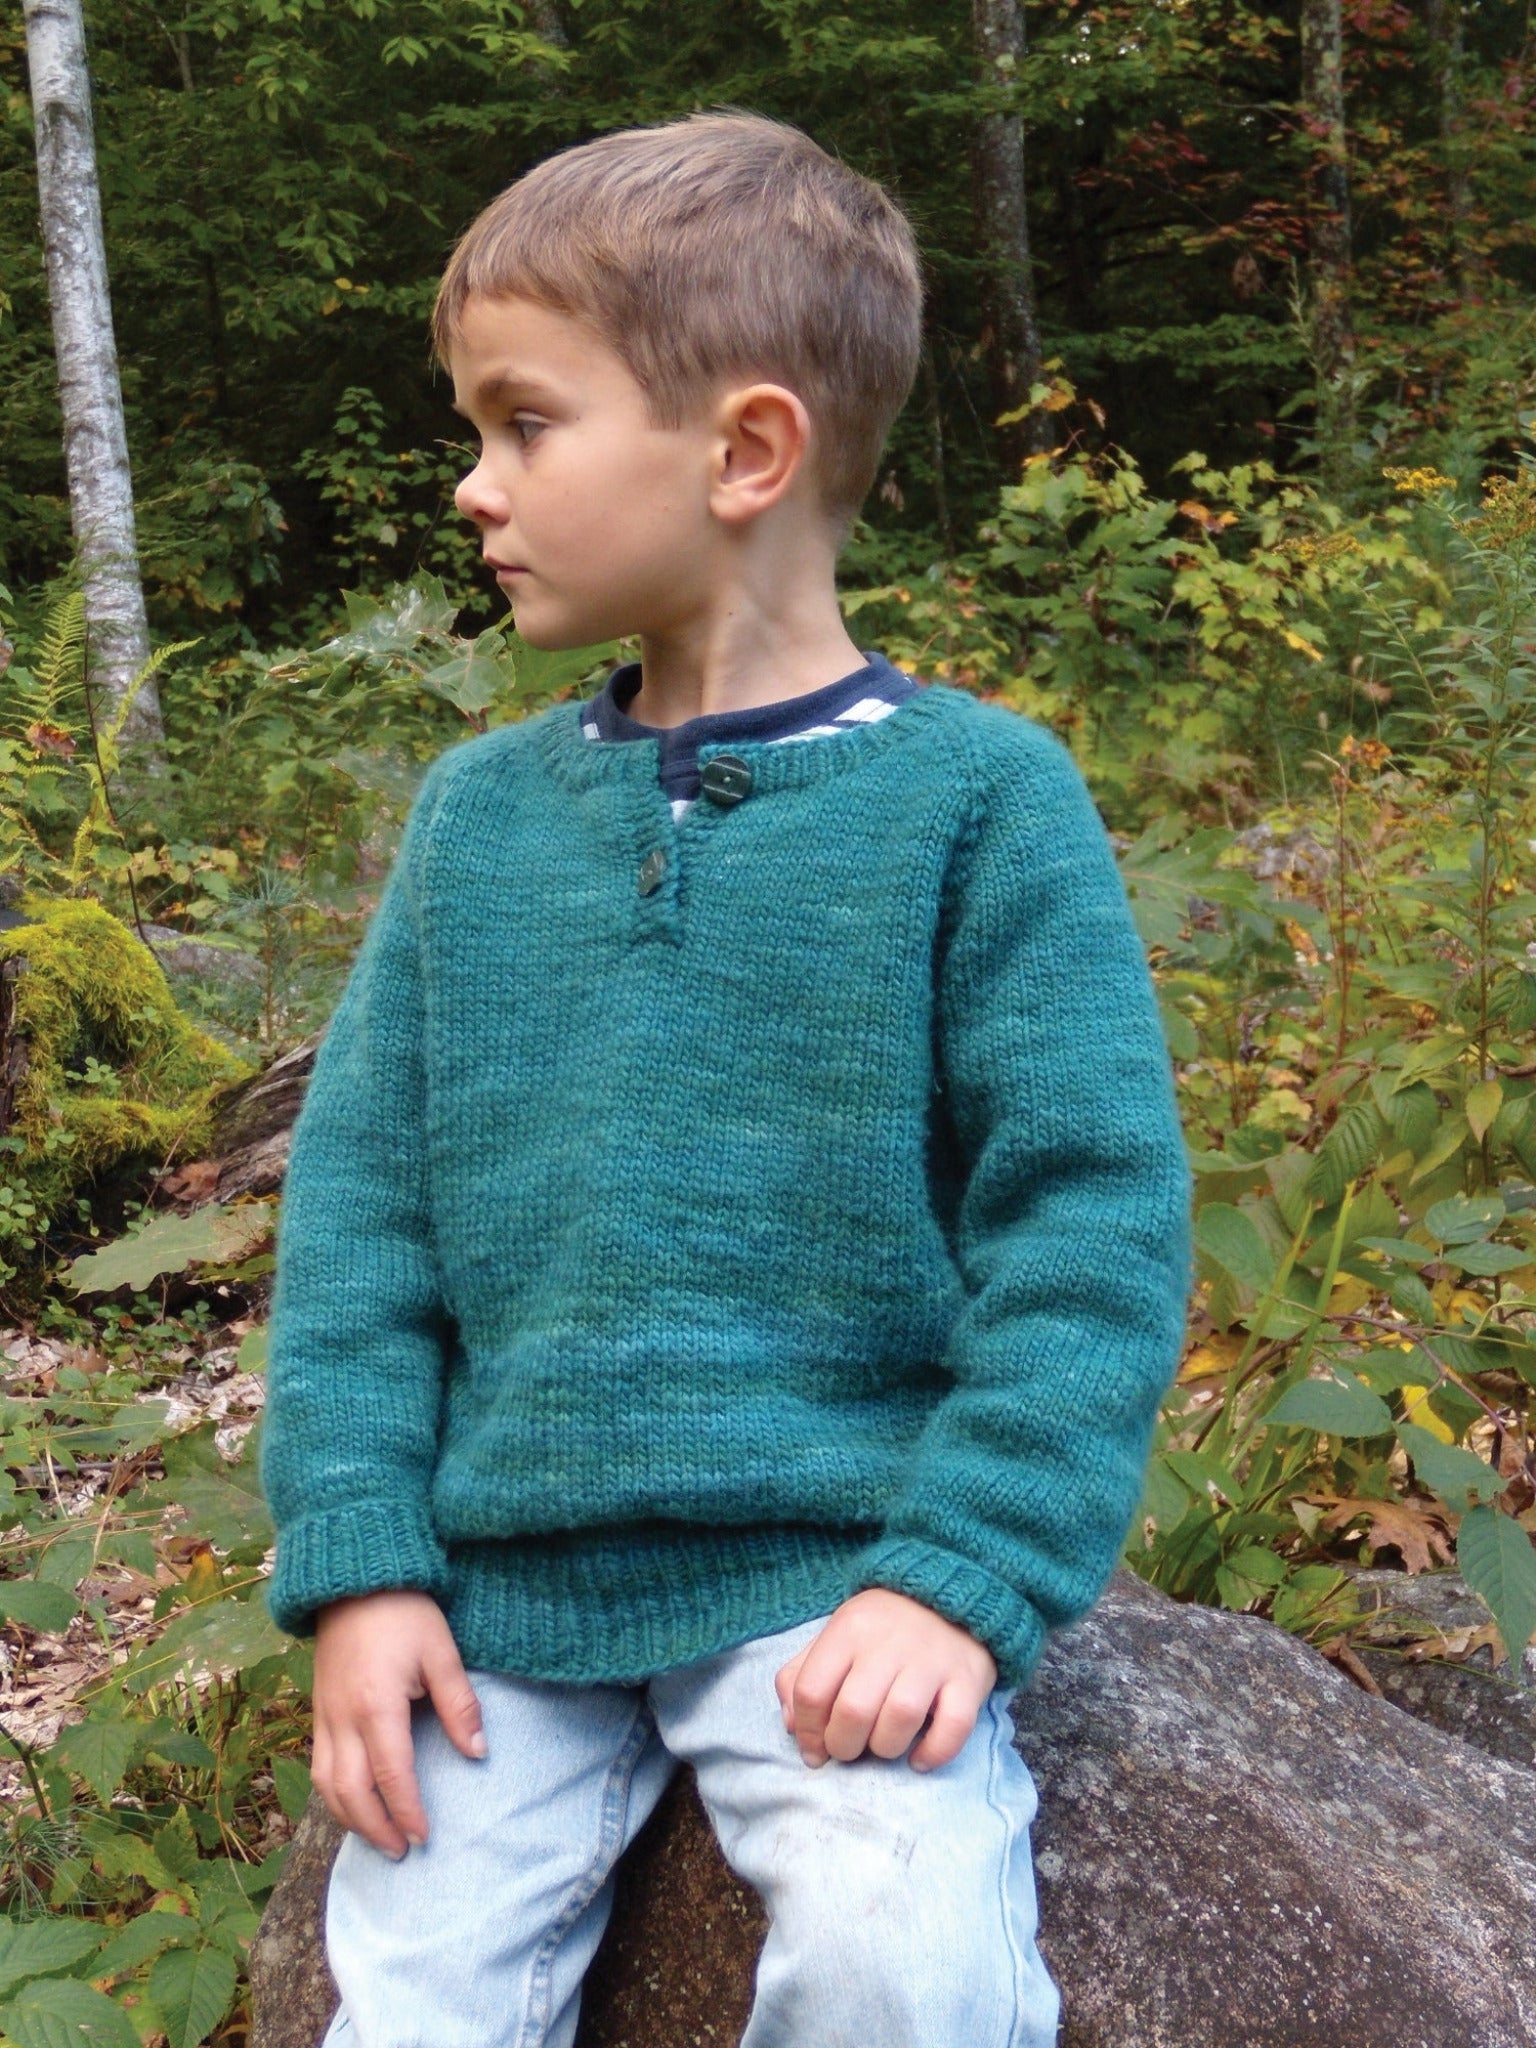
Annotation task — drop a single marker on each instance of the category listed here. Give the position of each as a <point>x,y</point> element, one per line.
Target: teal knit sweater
<point>691,1222</point>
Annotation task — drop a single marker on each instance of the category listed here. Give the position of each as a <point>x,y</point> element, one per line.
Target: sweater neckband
<point>577,762</point>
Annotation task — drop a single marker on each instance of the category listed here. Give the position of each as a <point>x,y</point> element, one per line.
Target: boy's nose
<point>476,500</point>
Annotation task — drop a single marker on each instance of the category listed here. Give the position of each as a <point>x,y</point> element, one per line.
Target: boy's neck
<point>745,649</point>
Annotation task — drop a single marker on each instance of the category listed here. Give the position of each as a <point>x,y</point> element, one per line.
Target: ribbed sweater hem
<point>365,1546</point>
<point>616,1607</point>
<point>966,1593</point>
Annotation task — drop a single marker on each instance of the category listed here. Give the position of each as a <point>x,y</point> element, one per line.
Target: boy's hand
<point>871,1678</point>
<point>373,1655</point>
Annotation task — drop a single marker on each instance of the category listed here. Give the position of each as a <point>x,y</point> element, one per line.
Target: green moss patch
<point>114,1073</point>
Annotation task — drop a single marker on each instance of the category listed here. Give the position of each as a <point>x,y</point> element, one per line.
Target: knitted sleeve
<point>1072,1234</point>
<point>358,1329</point>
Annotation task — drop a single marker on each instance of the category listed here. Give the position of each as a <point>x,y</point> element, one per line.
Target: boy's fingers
<point>357,1803</point>
<point>456,1702</point>
<point>817,1685</point>
<point>905,1710</point>
<point>859,1704</point>
<point>320,1762</point>
<point>393,1763</point>
<point>784,1686</point>
<point>954,1716</point>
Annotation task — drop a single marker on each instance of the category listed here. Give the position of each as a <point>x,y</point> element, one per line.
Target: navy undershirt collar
<point>781,720</point>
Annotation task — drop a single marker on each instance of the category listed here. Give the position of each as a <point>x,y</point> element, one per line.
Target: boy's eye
<point>525,427</point>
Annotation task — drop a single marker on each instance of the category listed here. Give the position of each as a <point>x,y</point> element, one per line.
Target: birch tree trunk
<point>90,393</point>
<point>1329,231</point>
<point>1000,202</point>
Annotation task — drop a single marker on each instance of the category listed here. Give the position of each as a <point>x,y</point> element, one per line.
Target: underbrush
<point>1314,737</point>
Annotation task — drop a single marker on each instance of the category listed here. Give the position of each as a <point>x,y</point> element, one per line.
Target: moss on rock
<point>91,990</point>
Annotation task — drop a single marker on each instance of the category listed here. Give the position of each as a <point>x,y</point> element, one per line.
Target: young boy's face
<point>596,521</point>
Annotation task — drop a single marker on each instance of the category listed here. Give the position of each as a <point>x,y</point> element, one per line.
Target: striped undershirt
<point>868,693</point>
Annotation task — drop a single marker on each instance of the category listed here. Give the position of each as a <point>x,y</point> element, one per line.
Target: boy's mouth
<point>506,568</point>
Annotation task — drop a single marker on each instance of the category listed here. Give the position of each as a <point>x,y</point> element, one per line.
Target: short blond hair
<point>725,244</point>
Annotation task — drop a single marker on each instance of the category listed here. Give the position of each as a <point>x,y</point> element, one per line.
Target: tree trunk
<point>90,394</point>
<point>1002,231</point>
<point>1445,23</point>
<point>545,16</point>
<point>1332,333</point>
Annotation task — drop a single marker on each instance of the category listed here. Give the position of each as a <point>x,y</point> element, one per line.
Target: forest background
<point>1219,462</point>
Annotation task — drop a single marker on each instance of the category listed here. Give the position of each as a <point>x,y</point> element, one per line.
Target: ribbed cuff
<point>366,1546</point>
<point>962,1592</point>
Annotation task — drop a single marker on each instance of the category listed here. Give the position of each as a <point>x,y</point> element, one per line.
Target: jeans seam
<point>1010,1844</point>
<point>610,1833</point>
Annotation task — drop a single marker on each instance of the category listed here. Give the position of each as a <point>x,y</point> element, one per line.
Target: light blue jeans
<point>901,1903</point>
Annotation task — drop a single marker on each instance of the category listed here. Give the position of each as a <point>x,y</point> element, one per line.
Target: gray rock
<point>1236,1848</point>
<point>1239,1848</point>
<point>202,959</point>
<point>1424,1663</point>
<point>1424,1606</point>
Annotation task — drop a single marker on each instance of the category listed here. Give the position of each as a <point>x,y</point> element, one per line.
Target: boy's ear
<point>762,439</point>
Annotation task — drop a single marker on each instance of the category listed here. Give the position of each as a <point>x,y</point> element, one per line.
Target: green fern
<point>50,692</point>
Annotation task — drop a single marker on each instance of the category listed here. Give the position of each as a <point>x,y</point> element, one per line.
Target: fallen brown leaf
<point>197,1181</point>
<point>1457,1643</point>
<point>1339,1652</point>
<point>1416,1529</point>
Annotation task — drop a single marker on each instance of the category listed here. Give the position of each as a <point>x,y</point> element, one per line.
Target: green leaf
<point>1288,1174</point>
<point>541,671</point>
<point>223,1635</point>
<point>65,2013</point>
<point>1496,1349</point>
<point>133,1547</point>
<point>409,612</point>
<point>192,1989</point>
<point>66,1561</point>
<point>1161,876</point>
<point>1401,1250</point>
<point>1313,1593</point>
<point>1453,1134</point>
<point>1334,1407</point>
<point>121,1854</point>
<point>181,1746</point>
<point>145,1935</point>
<point>1233,1240</point>
<point>1462,1219</point>
<point>1182,1037</point>
<point>475,678</point>
<point>99,1751</point>
<point>1349,1148</point>
<point>36,1948</point>
<point>37,1605</point>
<point>1386,1368</point>
<point>175,1846</point>
<point>1413,1113</point>
<point>292,1781</point>
<point>1482,1106</point>
<point>1457,1475</point>
<point>252,1355</point>
<point>1484,1259</point>
<point>1219,1174</point>
<point>134,1427</point>
<point>225,1507</point>
<point>260,1878</point>
<point>170,1243</point>
<point>1259,1564</point>
<point>1497,1562</point>
<point>1201,1473</point>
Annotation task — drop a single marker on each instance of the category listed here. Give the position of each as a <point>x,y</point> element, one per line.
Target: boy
<point>735,1240</point>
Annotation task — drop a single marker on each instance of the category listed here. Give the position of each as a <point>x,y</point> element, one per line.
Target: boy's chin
<point>553,636</point>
